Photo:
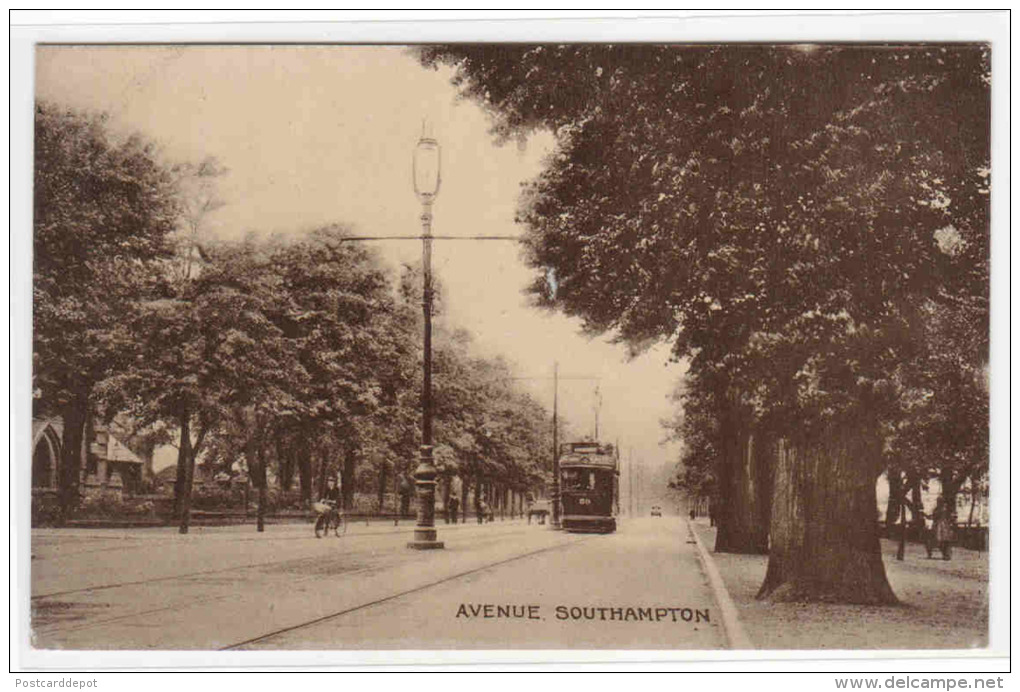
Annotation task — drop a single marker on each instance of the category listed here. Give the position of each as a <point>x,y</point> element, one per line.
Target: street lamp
<point>425,172</point>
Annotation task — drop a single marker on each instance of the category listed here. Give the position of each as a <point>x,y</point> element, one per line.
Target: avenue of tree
<point>808,226</point>
<point>292,357</point>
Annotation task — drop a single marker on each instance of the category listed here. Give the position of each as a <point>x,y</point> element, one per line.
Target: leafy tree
<point>491,434</point>
<point>213,358</point>
<point>104,210</point>
<point>339,310</point>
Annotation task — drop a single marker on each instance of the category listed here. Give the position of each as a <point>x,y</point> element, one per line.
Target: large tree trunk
<point>744,505</point>
<point>973,501</point>
<point>185,476</point>
<point>896,490</point>
<point>285,457</point>
<point>184,443</point>
<point>305,474</point>
<point>478,497</point>
<point>396,495</point>
<point>262,479</point>
<point>916,514</point>
<point>901,549</point>
<point>347,477</point>
<point>71,454</point>
<point>825,543</point>
<point>322,470</point>
<point>381,490</point>
<point>447,482</point>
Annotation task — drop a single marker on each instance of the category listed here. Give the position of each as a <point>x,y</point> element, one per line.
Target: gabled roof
<point>40,426</point>
<point>118,451</point>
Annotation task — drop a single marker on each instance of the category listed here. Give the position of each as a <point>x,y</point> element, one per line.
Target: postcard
<point>662,342</point>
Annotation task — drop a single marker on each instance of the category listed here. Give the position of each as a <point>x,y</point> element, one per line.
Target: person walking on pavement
<point>451,509</point>
<point>941,534</point>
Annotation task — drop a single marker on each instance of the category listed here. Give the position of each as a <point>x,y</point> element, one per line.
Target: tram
<point>589,487</point>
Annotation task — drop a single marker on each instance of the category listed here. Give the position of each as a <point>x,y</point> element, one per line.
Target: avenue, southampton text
<point>604,613</point>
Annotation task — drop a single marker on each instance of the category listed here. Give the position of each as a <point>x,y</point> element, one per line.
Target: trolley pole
<point>630,482</point>
<point>555,523</point>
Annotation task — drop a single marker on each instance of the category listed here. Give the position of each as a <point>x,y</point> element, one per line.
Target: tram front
<point>587,487</point>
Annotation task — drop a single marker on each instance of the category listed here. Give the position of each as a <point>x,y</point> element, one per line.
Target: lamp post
<point>425,172</point>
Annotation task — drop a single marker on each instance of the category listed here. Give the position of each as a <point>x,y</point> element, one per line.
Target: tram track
<point>391,597</point>
<point>156,580</point>
<point>154,606</point>
<point>202,573</point>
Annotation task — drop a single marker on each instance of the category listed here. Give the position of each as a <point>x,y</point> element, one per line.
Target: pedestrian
<point>711,513</point>
<point>405,497</point>
<point>692,514</point>
<point>451,509</point>
<point>941,534</point>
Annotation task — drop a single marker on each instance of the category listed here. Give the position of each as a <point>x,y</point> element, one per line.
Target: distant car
<point>656,511</point>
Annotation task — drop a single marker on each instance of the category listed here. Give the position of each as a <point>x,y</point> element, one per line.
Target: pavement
<point>944,604</point>
<point>504,585</point>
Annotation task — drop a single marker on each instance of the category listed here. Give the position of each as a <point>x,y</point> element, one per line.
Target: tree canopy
<point>104,212</point>
<point>298,354</point>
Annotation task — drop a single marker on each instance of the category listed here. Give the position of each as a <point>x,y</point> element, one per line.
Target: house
<point>111,465</point>
<point>167,477</point>
<point>108,464</point>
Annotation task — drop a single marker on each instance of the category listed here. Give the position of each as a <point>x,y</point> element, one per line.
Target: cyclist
<point>331,494</point>
<point>329,502</point>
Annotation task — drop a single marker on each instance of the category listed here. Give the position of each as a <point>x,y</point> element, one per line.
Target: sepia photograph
<point>671,345</point>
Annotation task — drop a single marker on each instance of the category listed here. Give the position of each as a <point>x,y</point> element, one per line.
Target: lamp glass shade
<point>426,168</point>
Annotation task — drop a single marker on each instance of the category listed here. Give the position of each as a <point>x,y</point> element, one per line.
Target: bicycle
<point>330,519</point>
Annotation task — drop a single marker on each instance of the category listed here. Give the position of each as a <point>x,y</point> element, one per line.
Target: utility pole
<point>555,524</point>
<point>638,474</point>
<point>555,493</point>
<point>617,480</point>
<point>630,482</point>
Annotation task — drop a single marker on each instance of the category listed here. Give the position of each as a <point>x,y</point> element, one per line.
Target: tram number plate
<point>584,501</point>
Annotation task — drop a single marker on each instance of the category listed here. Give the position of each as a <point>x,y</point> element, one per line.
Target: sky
<point>314,135</point>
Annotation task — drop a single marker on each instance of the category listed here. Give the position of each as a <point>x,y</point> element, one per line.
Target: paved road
<point>502,585</point>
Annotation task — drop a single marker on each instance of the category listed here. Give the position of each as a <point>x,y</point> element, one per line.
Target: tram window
<point>579,479</point>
